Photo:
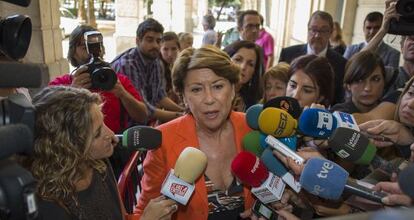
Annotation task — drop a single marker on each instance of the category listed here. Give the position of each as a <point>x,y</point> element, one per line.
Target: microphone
<point>278,169</point>
<point>252,116</point>
<point>15,138</point>
<point>271,162</point>
<point>250,170</point>
<point>406,181</point>
<point>353,146</point>
<point>328,180</point>
<point>289,104</point>
<point>290,142</point>
<point>252,142</point>
<point>320,123</point>
<point>345,120</point>
<point>277,122</point>
<point>283,149</point>
<point>317,123</point>
<point>20,75</point>
<point>141,138</point>
<point>179,183</point>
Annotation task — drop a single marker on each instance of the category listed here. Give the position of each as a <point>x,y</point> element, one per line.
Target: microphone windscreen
<point>272,163</point>
<point>252,116</point>
<point>277,122</point>
<point>291,142</point>
<point>323,178</point>
<point>15,139</point>
<point>406,180</point>
<point>317,123</point>
<point>141,138</point>
<point>352,146</point>
<point>190,164</point>
<point>249,169</point>
<point>251,143</point>
<point>20,75</point>
<point>289,104</point>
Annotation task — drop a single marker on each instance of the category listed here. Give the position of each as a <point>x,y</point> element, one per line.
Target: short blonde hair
<point>209,57</point>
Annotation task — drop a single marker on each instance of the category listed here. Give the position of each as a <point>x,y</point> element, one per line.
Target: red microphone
<point>251,171</point>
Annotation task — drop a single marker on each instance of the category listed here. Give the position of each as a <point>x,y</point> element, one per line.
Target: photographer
<point>121,102</point>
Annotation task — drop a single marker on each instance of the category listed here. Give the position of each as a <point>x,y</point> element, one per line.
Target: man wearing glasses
<point>248,24</point>
<point>320,27</point>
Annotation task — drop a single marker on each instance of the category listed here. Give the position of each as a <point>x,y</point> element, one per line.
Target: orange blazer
<point>176,135</point>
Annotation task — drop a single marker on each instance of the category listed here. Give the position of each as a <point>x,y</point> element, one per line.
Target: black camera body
<point>102,75</point>
<point>405,24</point>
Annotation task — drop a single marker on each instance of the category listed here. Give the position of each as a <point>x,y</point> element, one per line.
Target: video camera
<point>17,185</point>
<point>102,75</point>
<point>405,24</point>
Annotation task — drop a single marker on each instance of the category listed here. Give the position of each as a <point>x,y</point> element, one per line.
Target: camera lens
<point>405,8</point>
<point>103,78</point>
<point>409,7</point>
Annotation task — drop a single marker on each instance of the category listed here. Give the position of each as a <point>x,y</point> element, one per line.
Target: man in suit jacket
<point>372,23</point>
<point>320,27</point>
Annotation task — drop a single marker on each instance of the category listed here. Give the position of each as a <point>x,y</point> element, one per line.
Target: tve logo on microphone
<point>323,174</point>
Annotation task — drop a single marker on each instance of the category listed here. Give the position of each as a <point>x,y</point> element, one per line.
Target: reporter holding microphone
<point>205,78</point>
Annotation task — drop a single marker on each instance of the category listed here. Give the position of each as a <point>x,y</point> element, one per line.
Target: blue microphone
<point>277,168</point>
<point>317,123</point>
<point>291,142</point>
<point>328,180</point>
<point>252,116</point>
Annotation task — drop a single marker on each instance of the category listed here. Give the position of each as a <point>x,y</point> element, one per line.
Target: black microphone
<point>15,75</point>
<point>141,138</point>
<point>15,138</point>
<point>289,104</point>
<point>353,146</point>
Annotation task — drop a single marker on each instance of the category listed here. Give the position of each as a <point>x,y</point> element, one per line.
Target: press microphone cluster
<point>179,183</point>
<point>266,119</point>
<point>141,138</point>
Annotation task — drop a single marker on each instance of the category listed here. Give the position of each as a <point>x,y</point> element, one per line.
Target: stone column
<point>46,42</point>
<point>182,20</point>
<point>129,13</point>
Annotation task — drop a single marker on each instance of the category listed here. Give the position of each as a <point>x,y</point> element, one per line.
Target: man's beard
<point>149,55</point>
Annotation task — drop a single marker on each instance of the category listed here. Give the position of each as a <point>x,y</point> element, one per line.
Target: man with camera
<point>121,99</point>
<point>142,66</point>
<point>401,75</point>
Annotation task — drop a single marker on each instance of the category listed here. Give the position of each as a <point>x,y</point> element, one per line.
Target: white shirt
<point>321,54</point>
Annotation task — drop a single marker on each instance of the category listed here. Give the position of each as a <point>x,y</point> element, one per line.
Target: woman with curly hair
<point>72,142</point>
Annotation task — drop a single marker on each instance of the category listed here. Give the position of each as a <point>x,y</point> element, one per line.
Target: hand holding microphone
<point>179,184</point>
<point>396,196</point>
<point>159,208</point>
<point>387,132</point>
<point>353,146</point>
